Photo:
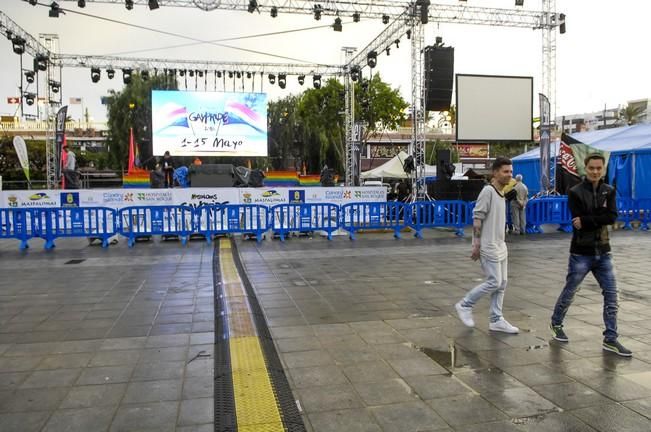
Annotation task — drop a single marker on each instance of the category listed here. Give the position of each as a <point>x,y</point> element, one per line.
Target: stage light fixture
<point>385,19</point>
<point>337,25</point>
<point>126,75</point>
<point>95,74</point>
<point>248,75</point>
<point>253,5</point>
<point>219,74</point>
<point>153,4</point>
<point>200,73</point>
<point>371,59</point>
<point>54,10</point>
<point>230,74</point>
<point>33,2</point>
<point>274,12</point>
<point>110,73</point>
<point>272,78</point>
<point>356,17</point>
<point>40,62</point>
<point>438,41</point>
<point>519,2</point>
<point>316,81</point>
<point>128,4</point>
<point>144,75</point>
<point>397,42</point>
<point>9,34</point>
<point>239,74</point>
<point>29,77</point>
<point>408,34</point>
<point>182,72</point>
<point>81,3</point>
<point>29,98</point>
<point>301,79</point>
<point>388,51</point>
<point>562,29</point>
<point>282,81</point>
<point>55,86</point>
<point>18,45</point>
<point>354,73</point>
<point>317,12</point>
<point>191,72</point>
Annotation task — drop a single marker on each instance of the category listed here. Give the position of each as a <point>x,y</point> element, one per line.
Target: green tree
<point>10,168</point>
<point>378,105</point>
<point>131,107</point>
<point>631,114</point>
<point>285,133</point>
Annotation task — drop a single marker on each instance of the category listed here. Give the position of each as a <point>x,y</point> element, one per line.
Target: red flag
<point>567,159</point>
<point>131,152</point>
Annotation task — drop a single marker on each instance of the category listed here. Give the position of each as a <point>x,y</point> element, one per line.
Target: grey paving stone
<point>19,364</point>
<point>114,344</point>
<point>416,366</point>
<point>115,358</point>
<point>328,398</point>
<point>158,371</point>
<point>85,419</point>
<point>466,409</point>
<point>537,374</point>
<point>437,386</point>
<point>408,417</point>
<point>89,396</point>
<point>571,395</point>
<point>553,422</point>
<point>354,420</point>
<point>613,418</point>
<point>23,422</point>
<point>149,416</point>
<point>196,411</point>
<point>387,391</point>
<point>105,375</point>
<point>51,378</point>
<point>520,402</point>
<point>317,376</point>
<point>44,399</point>
<point>11,381</point>
<point>153,391</point>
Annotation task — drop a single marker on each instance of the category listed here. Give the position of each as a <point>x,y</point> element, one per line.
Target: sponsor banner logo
<point>69,199</point>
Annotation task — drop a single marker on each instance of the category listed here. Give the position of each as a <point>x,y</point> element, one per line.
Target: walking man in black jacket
<point>593,207</point>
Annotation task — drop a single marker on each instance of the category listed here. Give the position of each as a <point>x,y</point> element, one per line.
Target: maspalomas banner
<point>193,197</point>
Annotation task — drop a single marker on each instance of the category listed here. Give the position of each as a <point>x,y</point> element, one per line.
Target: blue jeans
<point>601,267</point>
<point>495,284</point>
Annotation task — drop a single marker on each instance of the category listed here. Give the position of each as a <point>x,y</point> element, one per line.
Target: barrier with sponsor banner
<point>372,216</point>
<point>231,219</point>
<point>160,220</point>
<point>301,218</point>
<point>132,222</point>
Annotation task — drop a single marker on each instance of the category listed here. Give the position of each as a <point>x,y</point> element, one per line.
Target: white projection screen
<point>494,108</point>
<point>209,123</point>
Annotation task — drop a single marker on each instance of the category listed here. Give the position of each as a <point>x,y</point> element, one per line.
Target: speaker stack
<point>439,76</point>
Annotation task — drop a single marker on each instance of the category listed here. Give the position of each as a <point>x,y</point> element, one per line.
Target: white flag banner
<point>21,151</point>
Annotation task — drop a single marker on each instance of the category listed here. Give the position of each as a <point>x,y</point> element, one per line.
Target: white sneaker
<point>465,314</point>
<point>503,326</point>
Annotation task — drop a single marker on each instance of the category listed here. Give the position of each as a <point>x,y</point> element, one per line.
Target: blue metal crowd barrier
<point>627,212</point>
<point>431,214</point>
<point>548,210</point>
<point>93,222</point>
<point>644,213</point>
<point>286,218</point>
<point>212,220</point>
<point>375,215</point>
<point>143,221</point>
<point>17,224</point>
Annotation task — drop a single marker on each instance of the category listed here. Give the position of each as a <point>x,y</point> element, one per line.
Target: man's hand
<point>475,252</point>
<point>576,222</point>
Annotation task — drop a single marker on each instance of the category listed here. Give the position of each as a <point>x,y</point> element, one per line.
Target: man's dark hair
<point>500,162</point>
<point>594,156</point>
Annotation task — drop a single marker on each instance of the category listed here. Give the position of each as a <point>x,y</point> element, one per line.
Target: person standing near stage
<point>519,205</point>
<point>488,246</point>
<point>593,206</point>
<point>168,169</point>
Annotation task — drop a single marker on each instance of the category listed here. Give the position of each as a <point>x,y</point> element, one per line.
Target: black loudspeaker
<point>464,190</point>
<point>211,175</point>
<point>439,76</point>
<point>444,169</point>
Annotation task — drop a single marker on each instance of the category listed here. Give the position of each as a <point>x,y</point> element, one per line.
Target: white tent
<point>393,169</point>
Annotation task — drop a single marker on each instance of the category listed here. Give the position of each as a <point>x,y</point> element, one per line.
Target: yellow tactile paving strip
<point>256,406</point>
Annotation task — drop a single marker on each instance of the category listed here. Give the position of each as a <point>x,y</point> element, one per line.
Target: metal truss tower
<point>550,21</point>
<point>349,119</point>
<point>417,144</point>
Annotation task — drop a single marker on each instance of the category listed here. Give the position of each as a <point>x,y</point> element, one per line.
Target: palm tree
<point>631,114</point>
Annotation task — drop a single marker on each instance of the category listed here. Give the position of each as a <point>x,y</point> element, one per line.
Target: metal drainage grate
<point>75,261</point>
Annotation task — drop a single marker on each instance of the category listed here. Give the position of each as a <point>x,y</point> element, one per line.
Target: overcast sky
<point>602,59</point>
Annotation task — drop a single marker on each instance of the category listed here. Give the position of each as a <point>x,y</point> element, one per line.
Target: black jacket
<point>597,209</point>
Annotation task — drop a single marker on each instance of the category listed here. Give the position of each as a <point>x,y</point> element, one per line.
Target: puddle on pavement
<point>454,359</point>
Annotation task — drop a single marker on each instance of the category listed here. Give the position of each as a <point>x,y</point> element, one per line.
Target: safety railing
<point>303,218</point>
<point>435,214</point>
<point>548,210</point>
<point>144,221</point>
<point>92,222</point>
<point>373,216</point>
<point>16,224</point>
<point>627,212</point>
<point>644,213</point>
<point>214,220</point>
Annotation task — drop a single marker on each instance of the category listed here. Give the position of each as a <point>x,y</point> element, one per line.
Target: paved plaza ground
<point>366,330</point>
